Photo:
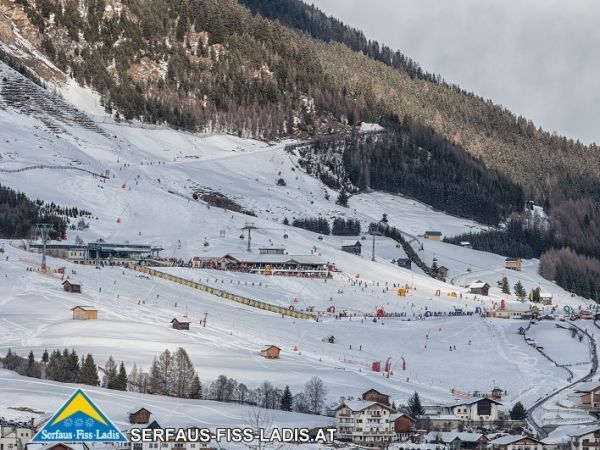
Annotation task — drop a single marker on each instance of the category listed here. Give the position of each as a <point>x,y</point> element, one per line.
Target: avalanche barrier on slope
<point>223,294</point>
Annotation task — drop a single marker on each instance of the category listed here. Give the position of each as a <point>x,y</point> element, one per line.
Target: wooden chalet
<point>512,442</point>
<point>513,264</point>
<point>433,235</point>
<point>589,395</point>
<point>373,395</point>
<point>84,313</point>
<point>350,246</point>
<point>71,287</point>
<point>479,288</point>
<point>139,416</point>
<point>271,352</point>
<point>181,323</point>
<point>403,423</point>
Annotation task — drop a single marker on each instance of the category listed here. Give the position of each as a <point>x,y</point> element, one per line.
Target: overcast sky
<point>539,58</point>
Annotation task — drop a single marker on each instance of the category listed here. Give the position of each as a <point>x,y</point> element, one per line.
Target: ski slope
<point>153,172</point>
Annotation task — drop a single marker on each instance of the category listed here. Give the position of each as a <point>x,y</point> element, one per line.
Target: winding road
<point>530,412</point>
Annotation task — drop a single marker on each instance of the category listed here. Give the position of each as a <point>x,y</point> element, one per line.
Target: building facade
<point>364,423</point>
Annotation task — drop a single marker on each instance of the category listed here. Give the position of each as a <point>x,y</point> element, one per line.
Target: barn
<point>139,416</point>
<point>84,313</point>
<point>479,288</point>
<point>433,235</point>
<point>271,352</point>
<point>513,264</point>
<point>181,323</point>
<point>71,287</point>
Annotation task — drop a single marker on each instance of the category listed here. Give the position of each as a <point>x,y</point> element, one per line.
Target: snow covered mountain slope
<point>148,198</point>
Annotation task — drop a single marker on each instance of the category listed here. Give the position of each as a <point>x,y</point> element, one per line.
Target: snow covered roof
<point>545,295</point>
<point>276,259</point>
<point>471,401</point>
<point>448,437</point>
<point>84,308</point>
<point>133,411</point>
<point>585,430</point>
<point>510,439</point>
<point>181,320</point>
<point>588,386</point>
<point>400,414</point>
<point>80,446</point>
<point>522,307</point>
<point>478,284</point>
<point>360,405</point>
<point>566,432</point>
<point>440,417</point>
<point>351,242</point>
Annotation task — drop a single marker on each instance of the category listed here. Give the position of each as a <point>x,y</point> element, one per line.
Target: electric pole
<point>43,230</point>
<point>249,226</point>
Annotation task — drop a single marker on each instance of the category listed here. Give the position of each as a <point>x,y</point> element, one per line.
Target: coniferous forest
<point>19,215</point>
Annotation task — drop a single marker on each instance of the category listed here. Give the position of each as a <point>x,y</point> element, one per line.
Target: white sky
<point>539,58</point>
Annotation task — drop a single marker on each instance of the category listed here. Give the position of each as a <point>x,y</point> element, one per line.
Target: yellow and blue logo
<point>79,420</point>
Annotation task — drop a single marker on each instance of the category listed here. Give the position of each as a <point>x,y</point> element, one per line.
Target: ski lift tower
<point>249,226</point>
<point>374,233</point>
<point>43,230</point>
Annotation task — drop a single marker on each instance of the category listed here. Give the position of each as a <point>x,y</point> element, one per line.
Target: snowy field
<point>148,199</point>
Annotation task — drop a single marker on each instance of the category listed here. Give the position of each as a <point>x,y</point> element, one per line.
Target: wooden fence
<point>223,294</point>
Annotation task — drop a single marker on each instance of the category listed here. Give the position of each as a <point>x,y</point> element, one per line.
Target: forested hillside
<point>19,215</point>
<point>417,162</point>
<point>270,69</point>
<point>196,64</point>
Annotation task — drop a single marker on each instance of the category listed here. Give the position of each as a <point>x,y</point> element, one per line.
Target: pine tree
<point>89,371</point>
<point>342,199</point>
<point>121,381</point>
<point>505,286</point>
<point>518,412</point>
<point>534,295</point>
<point>520,291</point>
<point>33,368</point>
<point>196,388</point>
<point>414,406</point>
<point>287,399</point>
